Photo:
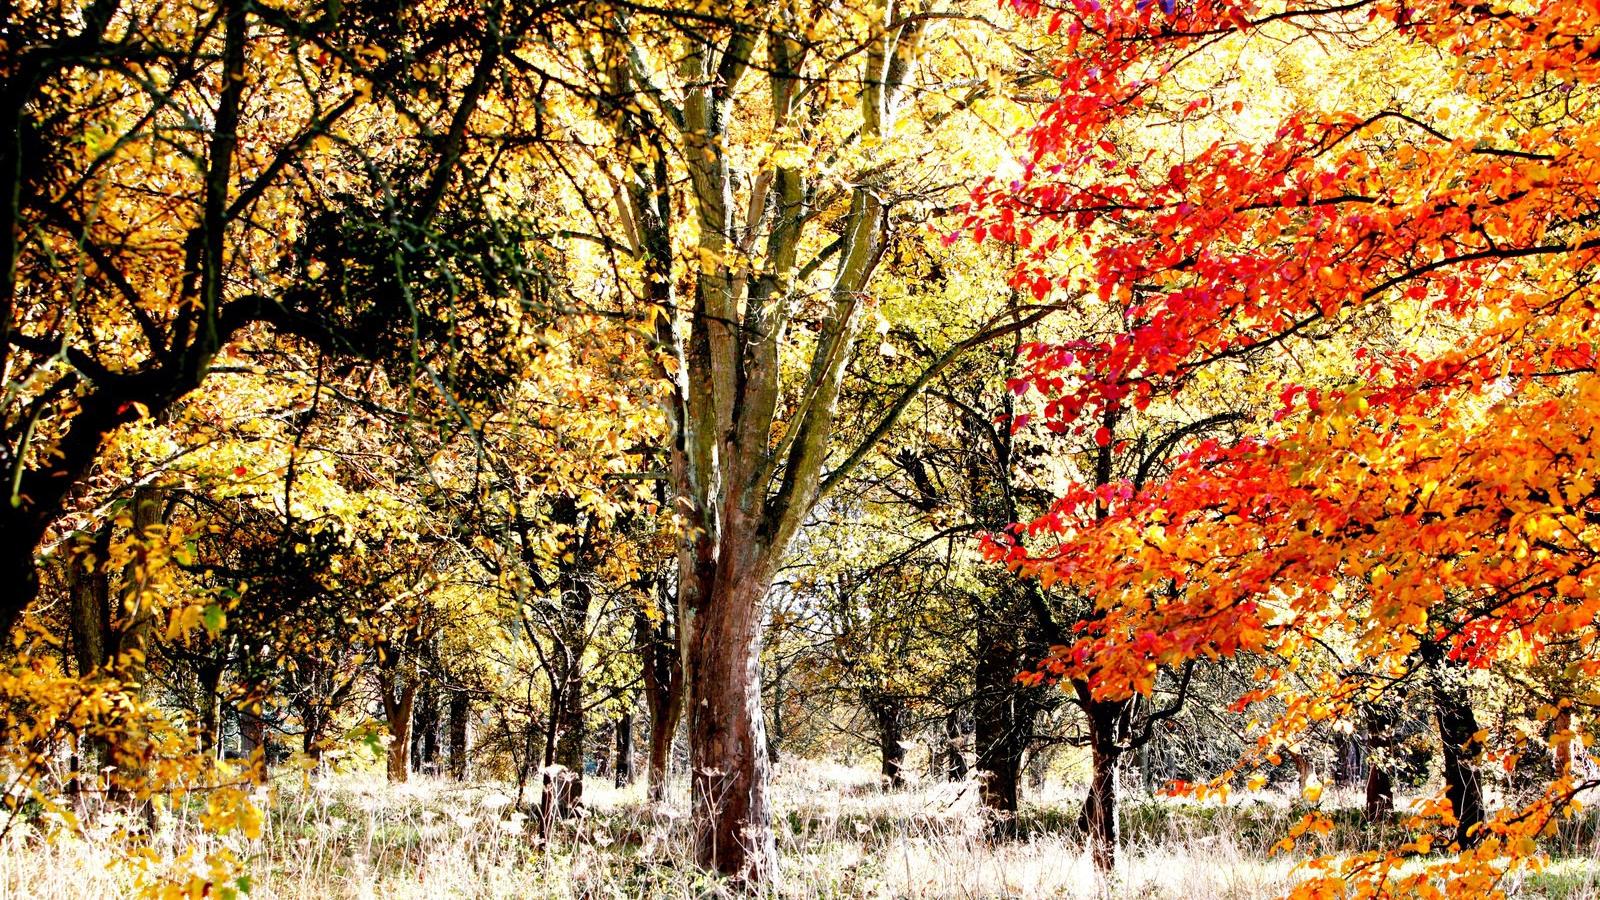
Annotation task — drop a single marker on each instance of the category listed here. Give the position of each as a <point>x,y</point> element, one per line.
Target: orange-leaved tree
<point>1432,496</point>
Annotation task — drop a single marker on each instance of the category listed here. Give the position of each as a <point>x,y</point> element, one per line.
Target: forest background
<point>576,412</point>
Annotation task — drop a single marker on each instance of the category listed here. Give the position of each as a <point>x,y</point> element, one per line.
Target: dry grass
<point>354,836</point>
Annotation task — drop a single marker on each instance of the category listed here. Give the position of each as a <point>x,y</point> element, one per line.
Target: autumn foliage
<point>1435,495</point>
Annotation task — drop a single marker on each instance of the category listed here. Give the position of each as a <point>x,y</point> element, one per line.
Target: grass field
<point>355,836</point>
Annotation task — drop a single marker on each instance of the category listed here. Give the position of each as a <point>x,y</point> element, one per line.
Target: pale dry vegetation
<point>357,836</point>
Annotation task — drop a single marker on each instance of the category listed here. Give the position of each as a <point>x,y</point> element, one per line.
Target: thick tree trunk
<point>1458,739</point>
<point>563,770</point>
<point>1100,808</point>
<point>624,765</point>
<point>89,609</point>
<point>727,737</point>
<point>890,715</point>
<point>460,713</point>
<point>1002,719</point>
<point>1458,729</point>
<point>1380,720</point>
<point>1099,819</point>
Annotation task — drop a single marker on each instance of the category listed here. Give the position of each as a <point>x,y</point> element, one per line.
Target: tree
<point>756,292</point>
<point>1450,476</point>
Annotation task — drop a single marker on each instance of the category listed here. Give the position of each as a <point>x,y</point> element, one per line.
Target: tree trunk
<point>397,709</point>
<point>661,661</point>
<point>1380,794</point>
<point>1099,817</point>
<point>1379,720</point>
<point>890,713</point>
<point>563,775</point>
<point>624,766</point>
<point>1561,738</point>
<point>209,683</point>
<point>1002,719</point>
<point>425,731</point>
<point>460,712</point>
<point>563,772</point>
<point>1458,729</point>
<point>727,737</point>
<point>955,766</point>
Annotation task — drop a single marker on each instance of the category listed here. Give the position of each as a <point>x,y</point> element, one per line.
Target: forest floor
<point>356,836</point>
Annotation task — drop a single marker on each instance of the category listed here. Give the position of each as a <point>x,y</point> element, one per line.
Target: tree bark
<point>890,714</point>
<point>1380,794</point>
<point>727,737</point>
<point>1099,817</point>
<point>564,762</point>
<point>209,683</point>
<point>624,764</point>
<point>1379,803</point>
<point>460,713</point>
<point>397,703</point>
<point>1460,745</point>
<point>425,730</point>
<point>955,766</point>
<point>1003,715</point>
<point>663,695</point>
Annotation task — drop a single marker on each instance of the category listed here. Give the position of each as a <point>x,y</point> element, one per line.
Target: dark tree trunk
<point>460,713</point>
<point>1099,818</point>
<point>209,683</point>
<point>89,596</point>
<point>89,618</point>
<point>425,731</point>
<point>890,715</point>
<point>568,736</point>
<point>1003,717</point>
<point>1458,739</point>
<point>1380,794</point>
<point>624,765</point>
<point>1379,803</point>
<point>955,757</point>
